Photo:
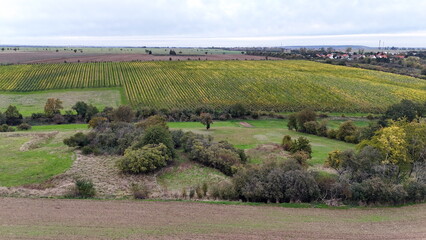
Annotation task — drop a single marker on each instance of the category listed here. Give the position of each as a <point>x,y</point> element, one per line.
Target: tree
<point>301,144</point>
<point>53,106</point>
<point>405,109</point>
<point>123,114</point>
<point>13,117</point>
<point>206,119</point>
<point>304,116</point>
<point>292,122</point>
<point>81,108</point>
<point>348,50</point>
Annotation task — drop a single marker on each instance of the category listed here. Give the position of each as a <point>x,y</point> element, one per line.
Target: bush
<point>331,133</point>
<point>149,158</point>
<point>286,143</point>
<point>416,191</point>
<point>157,135</point>
<point>177,137</point>
<point>153,121</point>
<point>23,127</point>
<point>6,128</point>
<point>300,186</point>
<point>346,129</point>
<point>311,127</point>
<point>375,191</point>
<point>123,114</point>
<point>304,116</point>
<point>86,150</point>
<point>78,140</point>
<point>301,144</point>
<point>139,191</point>
<point>83,189</point>
<point>97,121</point>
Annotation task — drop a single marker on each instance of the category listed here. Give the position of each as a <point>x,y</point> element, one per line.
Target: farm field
<point>260,85</point>
<point>33,102</point>
<point>49,55</point>
<point>94,219</point>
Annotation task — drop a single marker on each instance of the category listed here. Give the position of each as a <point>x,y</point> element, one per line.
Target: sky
<point>219,23</point>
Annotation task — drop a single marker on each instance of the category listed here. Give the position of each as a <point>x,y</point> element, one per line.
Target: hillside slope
<point>260,85</point>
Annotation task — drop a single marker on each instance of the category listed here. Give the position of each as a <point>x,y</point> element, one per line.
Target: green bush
<point>146,159</point>
<point>83,188</point>
<point>416,191</point>
<point>157,135</point>
<point>286,143</point>
<point>6,128</point>
<point>331,133</point>
<point>301,144</point>
<point>23,127</point>
<point>77,140</point>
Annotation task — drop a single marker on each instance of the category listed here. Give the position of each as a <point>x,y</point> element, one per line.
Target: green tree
<point>156,120</point>
<point>53,106</point>
<point>346,130</point>
<point>157,135</point>
<point>13,117</point>
<point>206,119</point>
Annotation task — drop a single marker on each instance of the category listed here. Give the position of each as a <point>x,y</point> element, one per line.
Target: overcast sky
<point>213,22</point>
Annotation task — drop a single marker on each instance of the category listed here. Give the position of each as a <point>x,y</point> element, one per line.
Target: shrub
<point>153,121</point>
<point>346,129</point>
<point>23,127</point>
<point>204,187</point>
<point>139,191</point>
<point>177,137</point>
<point>123,114</point>
<point>301,144</point>
<point>304,116</point>
<point>97,121</point>
<point>199,192</point>
<point>83,188</point>
<point>86,150</point>
<point>191,193</point>
<point>6,128</point>
<point>300,186</point>
<point>77,140</point>
<point>375,190</point>
<point>331,133</point>
<point>149,158</point>
<point>311,127</point>
<point>184,194</point>
<point>322,128</point>
<point>13,117</point>
<point>157,135</point>
<point>416,191</point>
<point>292,122</point>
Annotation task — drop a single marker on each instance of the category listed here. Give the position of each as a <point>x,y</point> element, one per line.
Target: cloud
<point>50,19</point>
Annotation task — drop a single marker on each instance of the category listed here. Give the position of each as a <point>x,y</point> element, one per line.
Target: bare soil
<point>22,218</point>
<point>246,124</point>
<point>53,57</point>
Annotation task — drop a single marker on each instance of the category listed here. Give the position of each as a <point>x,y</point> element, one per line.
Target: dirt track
<point>22,218</point>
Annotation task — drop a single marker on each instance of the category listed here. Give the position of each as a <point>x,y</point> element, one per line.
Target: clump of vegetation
<point>24,127</point>
<point>6,128</point>
<point>146,159</point>
<point>140,191</point>
<point>222,155</point>
<point>83,188</point>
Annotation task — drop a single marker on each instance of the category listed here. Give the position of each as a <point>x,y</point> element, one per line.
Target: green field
<point>33,166</point>
<point>260,85</point>
<point>33,102</point>
<point>263,132</point>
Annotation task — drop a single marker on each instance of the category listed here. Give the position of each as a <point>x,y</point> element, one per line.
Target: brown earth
<point>22,218</point>
<point>246,124</point>
<point>53,57</point>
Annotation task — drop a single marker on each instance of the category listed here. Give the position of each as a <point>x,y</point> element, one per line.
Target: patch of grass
<point>189,174</point>
<point>61,127</point>
<point>33,166</point>
<point>33,102</point>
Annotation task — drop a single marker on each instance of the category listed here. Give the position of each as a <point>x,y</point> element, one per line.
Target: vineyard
<point>259,85</point>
